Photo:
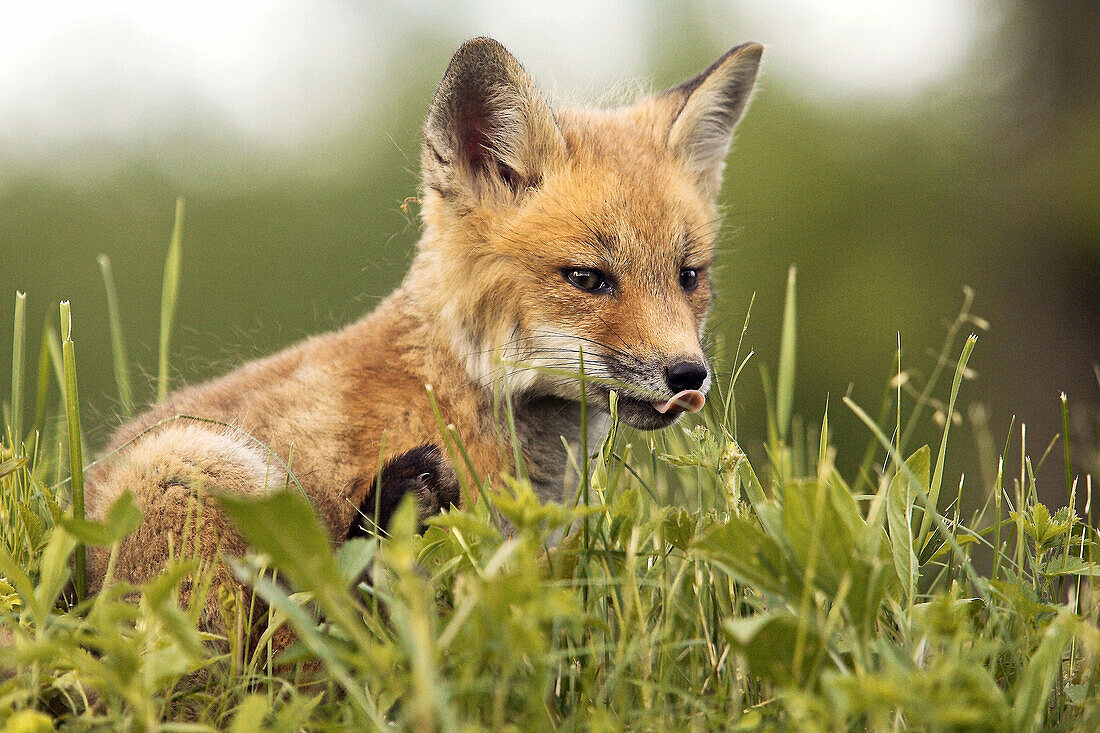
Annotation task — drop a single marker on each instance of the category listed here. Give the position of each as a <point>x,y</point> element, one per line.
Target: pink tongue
<point>690,400</point>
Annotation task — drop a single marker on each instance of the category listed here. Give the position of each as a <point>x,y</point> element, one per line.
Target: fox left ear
<point>489,130</point>
<point>710,106</point>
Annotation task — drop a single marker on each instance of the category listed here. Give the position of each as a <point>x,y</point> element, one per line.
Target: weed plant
<point>683,588</point>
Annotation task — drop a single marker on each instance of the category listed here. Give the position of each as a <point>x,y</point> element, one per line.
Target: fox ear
<point>710,106</point>
<point>489,130</point>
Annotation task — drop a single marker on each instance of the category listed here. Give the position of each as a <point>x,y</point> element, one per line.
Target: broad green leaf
<point>900,500</point>
<point>815,530</point>
<point>768,641</point>
<point>1071,566</point>
<point>822,541</point>
<point>53,568</point>
<point>846,507</point>
<point>353,557</point>
<point>122,518</point>
<point>678,528</point>
<point>250,715</point>
<point>1077,694</point>
<point>945,615</point>
<point>29,721</point>
<point>306,628</point>
<point>962,540</point>
<point>284,526</point>
<point>745,553</point>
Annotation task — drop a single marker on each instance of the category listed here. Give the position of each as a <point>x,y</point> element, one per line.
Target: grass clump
<point>684,587</point>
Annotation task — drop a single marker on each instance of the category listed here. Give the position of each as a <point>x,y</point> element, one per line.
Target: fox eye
<point>689,279</point>
<point>588,280</point>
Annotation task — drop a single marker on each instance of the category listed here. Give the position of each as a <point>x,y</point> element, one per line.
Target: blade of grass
<point>53,346</point>
<point>1065,441</point>
<point>42,387</point>
<point>76,463</point>
<point>118,343</point>
<point>979,584</point>
<point>784,381</point>
<point>937,475</point>
<point>169,294</point>
<point>922,399</point>
<point>998,551</point>
<point>899,379</point>
<point>1030,707</point>
<point>17,373</point>
<point>737,366</point>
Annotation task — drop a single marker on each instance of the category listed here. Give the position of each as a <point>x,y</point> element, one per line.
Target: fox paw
<point>424,473</point>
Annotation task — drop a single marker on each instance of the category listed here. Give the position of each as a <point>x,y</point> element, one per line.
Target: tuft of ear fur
<point>712,103</point>
<point>489,132</point>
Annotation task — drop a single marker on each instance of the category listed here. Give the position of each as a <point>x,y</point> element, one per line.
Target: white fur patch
<point>214,449</point>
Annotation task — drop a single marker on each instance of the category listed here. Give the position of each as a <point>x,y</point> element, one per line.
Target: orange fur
<point>515,195</point>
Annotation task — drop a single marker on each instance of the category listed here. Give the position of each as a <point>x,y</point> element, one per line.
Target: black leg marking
<point>423,472</point>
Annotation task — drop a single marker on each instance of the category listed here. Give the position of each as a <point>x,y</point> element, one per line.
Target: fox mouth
<point>656,414</point>
<point>645,401</point>
<point>688,400</point>
<point>649,407</point>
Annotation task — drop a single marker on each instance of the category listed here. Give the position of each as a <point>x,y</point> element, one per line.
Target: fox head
<point>556,238</point>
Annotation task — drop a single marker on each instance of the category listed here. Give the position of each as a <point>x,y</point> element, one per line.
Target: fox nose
<point>683,375</point>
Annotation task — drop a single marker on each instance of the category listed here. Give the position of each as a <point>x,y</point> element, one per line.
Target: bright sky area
<point>277,70</point>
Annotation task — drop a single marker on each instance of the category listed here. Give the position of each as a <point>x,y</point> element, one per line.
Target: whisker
<point>608,347</point>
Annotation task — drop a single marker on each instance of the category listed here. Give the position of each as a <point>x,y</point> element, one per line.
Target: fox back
<point>566,253</point>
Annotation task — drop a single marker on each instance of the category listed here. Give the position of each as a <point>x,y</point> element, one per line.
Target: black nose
<point>683,375</point>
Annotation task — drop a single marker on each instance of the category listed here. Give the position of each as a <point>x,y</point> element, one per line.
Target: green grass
<point>692,588</point>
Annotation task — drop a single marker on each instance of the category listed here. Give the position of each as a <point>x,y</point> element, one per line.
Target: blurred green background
<point>895,153</point>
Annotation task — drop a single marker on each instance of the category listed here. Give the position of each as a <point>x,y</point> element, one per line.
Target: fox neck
<point>475,316</point>
<point>453,312</point>
<point>541,424</point>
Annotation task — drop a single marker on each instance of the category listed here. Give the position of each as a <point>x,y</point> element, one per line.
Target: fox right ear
<point>710,105</point>
<point>489,130</point>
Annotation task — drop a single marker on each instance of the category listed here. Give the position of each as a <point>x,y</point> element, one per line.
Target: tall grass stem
<point>118,343</point>
<point>18,339</point>
<point>784,382</point>
<point>937,474</point>
<point>76,460</point>
<point>169,294</point>
<point>11,497</point>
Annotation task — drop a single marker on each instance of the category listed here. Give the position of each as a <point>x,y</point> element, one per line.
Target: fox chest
<point>544,427</point>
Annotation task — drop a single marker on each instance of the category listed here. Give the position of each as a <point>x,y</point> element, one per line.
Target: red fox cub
<point>549,236</point>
